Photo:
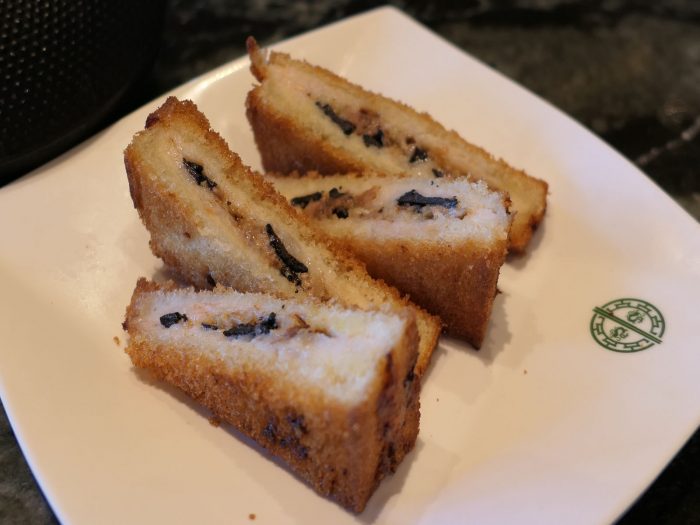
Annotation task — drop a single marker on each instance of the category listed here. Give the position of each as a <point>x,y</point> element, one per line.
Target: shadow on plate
<point>390,486</point>
<point>519,260</point>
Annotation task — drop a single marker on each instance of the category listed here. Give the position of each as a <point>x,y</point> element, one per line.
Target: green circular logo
<point>627,325</point>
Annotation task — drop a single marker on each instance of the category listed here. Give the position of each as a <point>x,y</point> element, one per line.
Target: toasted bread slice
<point>316,384</point>
<point>306,118</point>
<point>215,221</point>
<point>440,241</point>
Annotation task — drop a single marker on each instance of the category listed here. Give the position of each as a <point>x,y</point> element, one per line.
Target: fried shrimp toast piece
<point>442,241</point>
<point>307,118</point>
<point>314,383</point>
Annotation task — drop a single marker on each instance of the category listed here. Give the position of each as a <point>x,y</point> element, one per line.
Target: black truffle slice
<point>197,172</point>
<point>418,155</point>
<point>413,198</point>
<point>376,140</point>
<point>345,125</point>
<point>254,329</point>
<point>170,319</point>
<point>303,200</point>
<point>341,213</point>
<point>291,266</point>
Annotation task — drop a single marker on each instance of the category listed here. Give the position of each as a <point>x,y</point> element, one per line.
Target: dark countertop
<point>628,70</point>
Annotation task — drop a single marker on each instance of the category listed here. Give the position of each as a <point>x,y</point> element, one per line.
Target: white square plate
<point>543,425</point>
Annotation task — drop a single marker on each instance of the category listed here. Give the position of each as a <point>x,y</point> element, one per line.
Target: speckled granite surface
<point>628,70</point>
<point>21,502</point>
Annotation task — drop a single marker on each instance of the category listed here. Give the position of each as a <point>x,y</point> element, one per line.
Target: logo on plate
<point>627,325</point>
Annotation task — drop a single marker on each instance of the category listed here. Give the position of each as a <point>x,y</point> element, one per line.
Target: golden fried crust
<point>286,146</point>
<point>457,282</point>
<point>257,60</point>
<point>342,452</point>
